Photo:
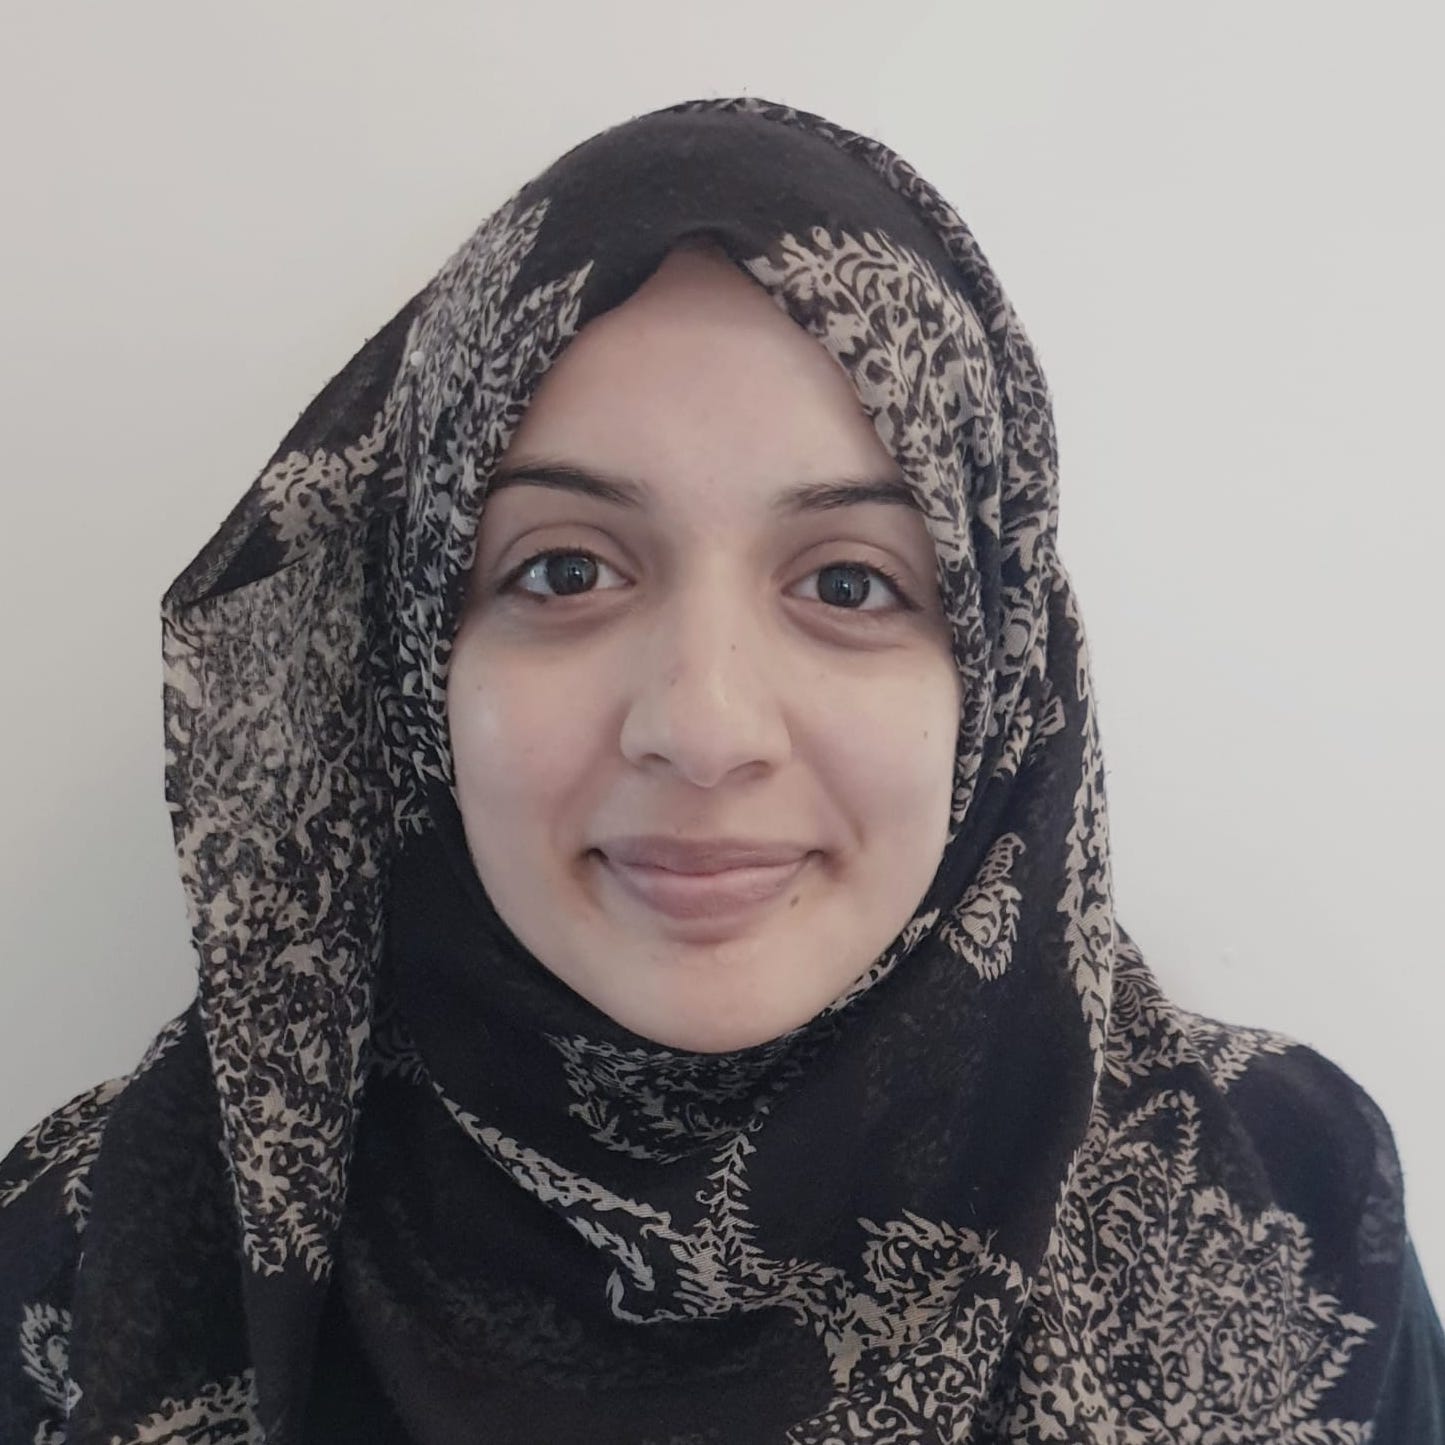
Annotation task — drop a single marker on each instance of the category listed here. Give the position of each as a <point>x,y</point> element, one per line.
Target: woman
<point>636,783</point>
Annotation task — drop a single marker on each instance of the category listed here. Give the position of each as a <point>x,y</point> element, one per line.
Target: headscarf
<point>1000,1190</point>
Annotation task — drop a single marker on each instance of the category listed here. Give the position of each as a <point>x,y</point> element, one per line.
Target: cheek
<point>890,757</point>
<point>524,740</point>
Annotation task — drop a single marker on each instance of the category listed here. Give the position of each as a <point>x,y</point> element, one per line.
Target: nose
<point>704,697</point>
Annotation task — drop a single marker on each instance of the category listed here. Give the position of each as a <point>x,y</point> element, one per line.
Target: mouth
<point>723,893</point>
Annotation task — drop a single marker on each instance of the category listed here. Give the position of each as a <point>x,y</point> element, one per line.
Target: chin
<point>707,1039</point>
<point>708,1026</point>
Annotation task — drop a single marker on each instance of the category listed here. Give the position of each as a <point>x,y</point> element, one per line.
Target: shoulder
<point>1290,1128</point>
<point>45,1199</point>
<point>1412,1401</point>
<point>1278,1177</point>
<point>1331,1161</point>
<point>44,1189</point>
<point>1328,1153</point>
<point>52,1161</point>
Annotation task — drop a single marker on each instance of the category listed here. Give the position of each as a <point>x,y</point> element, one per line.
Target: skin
<point>708,677</point>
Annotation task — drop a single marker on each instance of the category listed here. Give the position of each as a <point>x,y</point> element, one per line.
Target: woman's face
<point>704,753</point>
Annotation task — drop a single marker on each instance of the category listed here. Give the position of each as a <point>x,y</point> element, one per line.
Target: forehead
<point>700,371</point>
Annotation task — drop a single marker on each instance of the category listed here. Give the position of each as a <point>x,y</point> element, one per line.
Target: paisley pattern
<point>628,1103</point>
<point>221,1414</point>
<point>984,926</point>
<point>66,1140</point>
<point>999,1190</point>
<point>1218,1336</point>
<point>913,1270</point>
<point>45,1361</point>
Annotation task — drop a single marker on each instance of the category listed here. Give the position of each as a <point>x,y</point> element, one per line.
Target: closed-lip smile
<point>702,878</point>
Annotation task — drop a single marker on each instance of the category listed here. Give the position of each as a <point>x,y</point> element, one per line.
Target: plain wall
<point>1221,225</point>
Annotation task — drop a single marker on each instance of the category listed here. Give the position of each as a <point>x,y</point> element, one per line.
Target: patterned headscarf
<point>389,1179</point>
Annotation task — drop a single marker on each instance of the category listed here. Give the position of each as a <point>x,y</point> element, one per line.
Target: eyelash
<point>894,583</point>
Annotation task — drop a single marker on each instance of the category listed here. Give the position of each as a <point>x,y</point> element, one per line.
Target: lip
<point>701,855</point>
<point>707,879</point>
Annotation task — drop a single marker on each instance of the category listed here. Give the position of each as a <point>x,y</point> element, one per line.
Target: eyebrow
<point>628,492</point>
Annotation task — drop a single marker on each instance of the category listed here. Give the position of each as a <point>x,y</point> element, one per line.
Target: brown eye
<point>559,574</point>
<point>566,575</point>
<point>844,584</point>
<point>856,587</point>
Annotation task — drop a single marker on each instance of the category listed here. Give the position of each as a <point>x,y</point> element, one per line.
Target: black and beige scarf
<point>389,1180</point>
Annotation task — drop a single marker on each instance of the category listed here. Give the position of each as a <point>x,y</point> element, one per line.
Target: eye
<point>560,573</point>
<point>854,587</point>
<point>842,586</point>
